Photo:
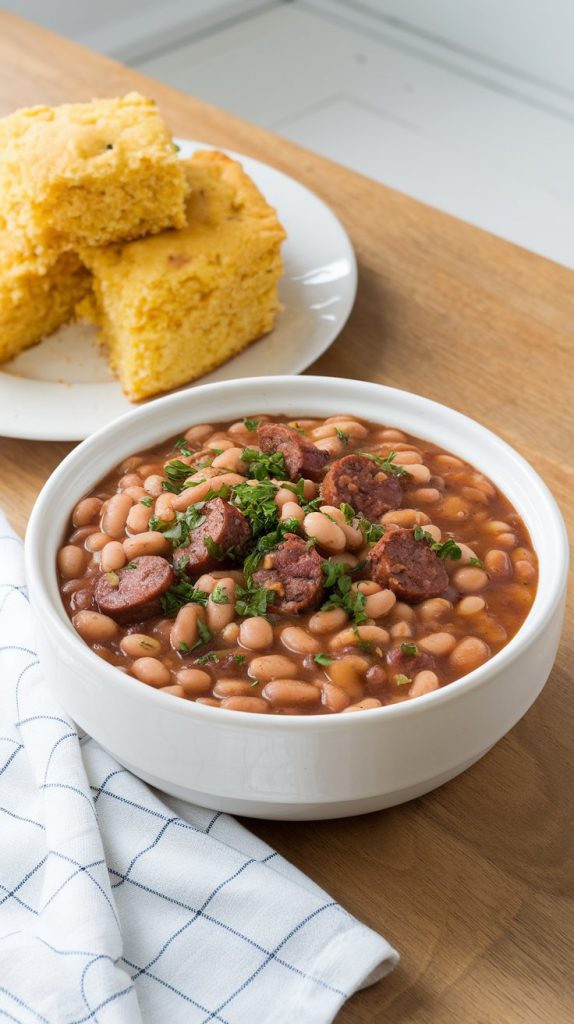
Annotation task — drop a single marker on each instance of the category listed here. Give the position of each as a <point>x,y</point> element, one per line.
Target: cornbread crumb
<point>35,299</point>
<point>173,307</point>
<point>88,174</point>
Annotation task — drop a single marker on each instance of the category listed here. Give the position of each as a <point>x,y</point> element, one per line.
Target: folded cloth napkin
<point>120,907</point>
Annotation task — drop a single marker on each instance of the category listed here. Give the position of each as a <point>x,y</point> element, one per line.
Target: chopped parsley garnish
<point>386,464</point>
<point>263,465</point>
<point>477,562</point>
<point>179,594</point>
<point>411,650</point>
<point>205,659</point>
<point>296,428</point>
<point>183,446</point>
<point>219,595</point>
<point>343,437</point>
<point>216,451</point>
<point>205,634</point>
<point>372,532</point>
<point>348,512</point>
<point>253,600</point>
<point>257,502</point>
<point>338,580</point>
<point>176,470</point>
<point>214,549</point>
<point>401,680</point>
<point>184,648</point>
<point>131,565</point>
<point>448,549</point>
<point>148,502</point>
<point>239,659</point>
<point>365,645</point>
<point>251,425</point>
<point>323,659</point>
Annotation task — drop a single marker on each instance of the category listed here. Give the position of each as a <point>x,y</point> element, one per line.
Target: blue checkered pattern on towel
<point>118,907</point>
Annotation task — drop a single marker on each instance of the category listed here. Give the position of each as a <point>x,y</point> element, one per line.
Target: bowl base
<point>283,811</point>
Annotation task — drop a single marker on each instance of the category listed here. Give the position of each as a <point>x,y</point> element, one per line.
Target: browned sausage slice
<point>362,484</point>
<point>408,566</point>
<point>224,528</point>
<point>133,593</point>
<point>301,457</point>
<point>295,572</point>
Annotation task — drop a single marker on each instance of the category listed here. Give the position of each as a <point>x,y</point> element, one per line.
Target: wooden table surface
<point>474,882</point>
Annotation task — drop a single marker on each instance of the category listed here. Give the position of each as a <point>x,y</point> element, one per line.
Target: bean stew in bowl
<point>301,565</point>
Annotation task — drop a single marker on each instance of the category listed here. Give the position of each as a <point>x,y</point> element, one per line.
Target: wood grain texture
<point>474,883</point>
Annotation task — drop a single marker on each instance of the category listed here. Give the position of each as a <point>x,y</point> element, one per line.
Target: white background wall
<point>465,104</point>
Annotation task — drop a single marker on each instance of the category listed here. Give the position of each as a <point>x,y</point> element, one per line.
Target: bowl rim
<point>545,605</point>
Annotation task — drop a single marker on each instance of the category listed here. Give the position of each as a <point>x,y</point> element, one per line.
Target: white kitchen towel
<point>118,906</point>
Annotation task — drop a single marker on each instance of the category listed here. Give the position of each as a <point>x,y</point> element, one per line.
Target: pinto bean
<point>256,705</point>
<point>424,682</point>
<point>94,627</point>
<point>367,704</point>
<point>71,561</point>
<point>256,633</point>
<point>87,511</point>
<point>115,514</point>
<point>297,639</point>
<point>291,692</point>
<point>272,666</point>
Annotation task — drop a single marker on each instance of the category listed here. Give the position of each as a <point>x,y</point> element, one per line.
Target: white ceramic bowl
<point>268,766</point>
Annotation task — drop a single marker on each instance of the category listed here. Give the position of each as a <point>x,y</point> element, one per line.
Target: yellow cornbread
<point>175,306</point>
<point>35,300</point>
<point>88,174</point>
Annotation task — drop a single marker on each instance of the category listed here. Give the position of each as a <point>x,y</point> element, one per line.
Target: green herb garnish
<point>205,634</point>
<point>239,659</point>
<point>386,464</point>
<point>401,680</point>
<point>411,650</point>
<point>323,659</point>
<point>263,465</point>
<point>131,565</point>
<point>253,600</point>
<point>205,659</point>
<point>372,532</point>
<point>183,446</point>
<point>343,437</point>
<point>251,425</point>
<point>477,562</point>
<point>215,550</point>
<point>257,502</point>
<point>348,512</point>
<point>448,549</point>
<point>176,470</point>
<point>179,594</point>
<point>219,595</point>
<point>338,580</point>
<point>148,502</point>
<point>184,648</point>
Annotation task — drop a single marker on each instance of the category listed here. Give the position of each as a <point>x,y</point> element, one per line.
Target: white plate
<point>62,389</point>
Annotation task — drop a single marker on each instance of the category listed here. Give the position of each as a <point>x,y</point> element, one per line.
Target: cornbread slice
<point>88,174</point>
<point>35,299</point>
<point>175,306</point>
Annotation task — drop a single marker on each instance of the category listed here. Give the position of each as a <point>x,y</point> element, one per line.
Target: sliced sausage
<point>362,484</point>
<point>228,530</point>
<point>408,566</point>
<point>133,593</point>
<point>295,572</point>
<point>301,457</point>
